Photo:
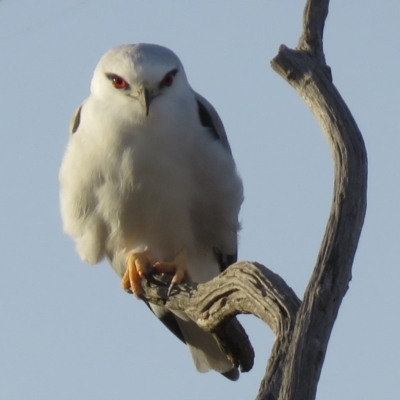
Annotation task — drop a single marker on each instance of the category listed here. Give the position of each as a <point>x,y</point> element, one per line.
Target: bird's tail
<point>205,351</point>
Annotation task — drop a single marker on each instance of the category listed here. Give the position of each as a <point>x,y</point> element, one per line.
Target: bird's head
<point>142,73</point>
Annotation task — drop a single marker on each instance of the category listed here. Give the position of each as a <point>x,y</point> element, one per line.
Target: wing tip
<point>232,374</point>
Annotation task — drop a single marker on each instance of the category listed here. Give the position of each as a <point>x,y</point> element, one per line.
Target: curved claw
<point>172,286</point>
<point>178,266</point>
<point>140,264</point>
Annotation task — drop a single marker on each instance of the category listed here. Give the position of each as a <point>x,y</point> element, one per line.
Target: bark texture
<point>302,329</point>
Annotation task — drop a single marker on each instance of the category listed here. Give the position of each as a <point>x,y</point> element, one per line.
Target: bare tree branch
<point>302,329</point>
<point>306,71</point>
<point>244,288</point>
<point>314,15</point>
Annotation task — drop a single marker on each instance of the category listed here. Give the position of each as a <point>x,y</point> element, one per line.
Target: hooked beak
<point>146,97</point>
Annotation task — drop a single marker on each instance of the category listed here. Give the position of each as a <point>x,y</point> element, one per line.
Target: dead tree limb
<point>302,330</point>
<point>305,70</point>
<point>244,288</point>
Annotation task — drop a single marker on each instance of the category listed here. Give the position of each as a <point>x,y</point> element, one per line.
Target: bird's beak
<point>146,97</point>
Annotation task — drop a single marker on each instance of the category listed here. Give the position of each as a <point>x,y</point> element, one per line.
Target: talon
<point>137,266</point>
<point>177,266</point>
<point>172,286</point>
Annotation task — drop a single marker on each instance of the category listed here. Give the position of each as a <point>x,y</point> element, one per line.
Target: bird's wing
<point>75,120</point>
<point>200,343</point>
<point>209,118</point>
<point>224,260</point>
<point>167,318</point>
<point>204,349</point>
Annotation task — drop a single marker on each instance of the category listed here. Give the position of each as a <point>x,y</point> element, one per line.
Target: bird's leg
<point>137,266</point>
<point>178,267</point>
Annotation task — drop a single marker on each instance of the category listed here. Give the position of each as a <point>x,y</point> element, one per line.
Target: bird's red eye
<point>118,82</point>
<point>168,79</point>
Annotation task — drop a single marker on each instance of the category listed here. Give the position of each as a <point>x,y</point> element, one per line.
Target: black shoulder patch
<point>206,120</point>
<point>77,121</point>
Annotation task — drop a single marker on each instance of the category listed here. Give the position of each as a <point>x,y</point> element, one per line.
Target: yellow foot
<point>137,266</point>
<point>177,266</point>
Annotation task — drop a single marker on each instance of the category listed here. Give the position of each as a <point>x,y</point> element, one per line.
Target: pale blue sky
<point>67,330</point>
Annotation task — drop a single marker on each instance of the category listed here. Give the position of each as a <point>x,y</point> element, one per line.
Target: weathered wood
<point>302,329</point>
<point>307,73</point>
<point>244,288</point>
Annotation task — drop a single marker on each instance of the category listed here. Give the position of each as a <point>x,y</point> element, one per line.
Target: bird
<point>148,181</point>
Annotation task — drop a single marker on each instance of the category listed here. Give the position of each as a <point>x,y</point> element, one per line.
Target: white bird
<point>148,179</point>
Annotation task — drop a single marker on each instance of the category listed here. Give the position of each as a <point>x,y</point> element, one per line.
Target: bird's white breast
<point>127,185</point>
